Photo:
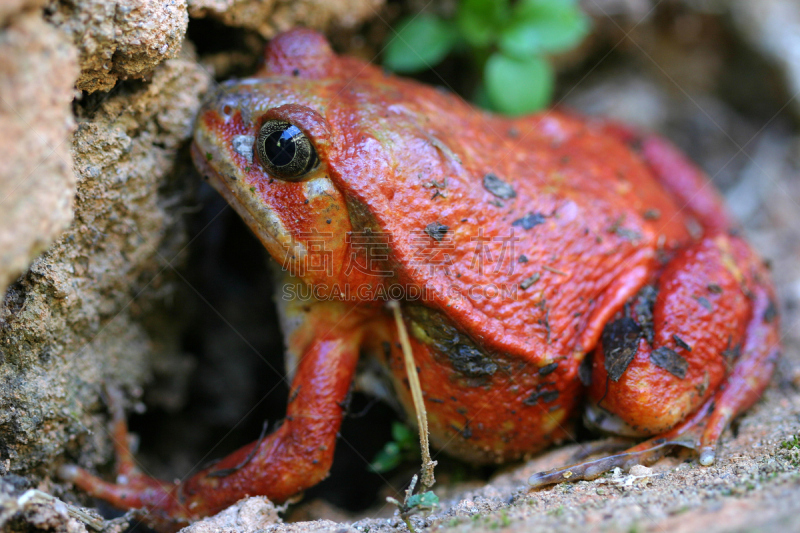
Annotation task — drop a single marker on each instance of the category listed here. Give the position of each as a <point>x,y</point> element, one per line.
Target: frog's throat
<point>261,220</point>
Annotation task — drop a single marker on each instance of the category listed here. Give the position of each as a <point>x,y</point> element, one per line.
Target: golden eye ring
<point>285,151</point>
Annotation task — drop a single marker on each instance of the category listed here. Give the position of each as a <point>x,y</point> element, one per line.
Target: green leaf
<point>402,446</point>
<point>543,26</point>
<point>480,98</point>
<point>387,459</point>
<point>517,86</point>
<point>403,435</point>
<point>426,500</point>
<point>481,20</point>
<point>419,43</point>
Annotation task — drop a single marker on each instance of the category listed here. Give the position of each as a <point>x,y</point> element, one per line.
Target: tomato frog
<point>547,266</point>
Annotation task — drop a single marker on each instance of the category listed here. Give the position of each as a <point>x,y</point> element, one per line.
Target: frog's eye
<point>285,150</point>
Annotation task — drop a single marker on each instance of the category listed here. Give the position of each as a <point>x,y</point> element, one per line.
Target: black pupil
<point>280,146</point>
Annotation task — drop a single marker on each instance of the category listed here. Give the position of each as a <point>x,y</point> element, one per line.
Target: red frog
<point>545,265</point>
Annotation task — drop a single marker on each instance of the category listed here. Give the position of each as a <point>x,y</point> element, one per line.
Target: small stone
<point>640,470</point>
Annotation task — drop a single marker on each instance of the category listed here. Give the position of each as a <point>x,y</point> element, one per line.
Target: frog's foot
<point>133,489</point>
<point>753,362</point>
<point>294,457</point>
<point>687,434</point>
<point>609,445</point>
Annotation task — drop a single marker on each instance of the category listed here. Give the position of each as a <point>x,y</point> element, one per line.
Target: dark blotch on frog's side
<point>643,310</point>
<point>620,343</point>
<point>465,356</point>
<point>732,353</point>
<point>669,360</point>
<point>702,300</point>
<point>471,361</point>
<point>681,343</point>
<point>436,231</point>
<point>546,396</point>
<point>771,311</point>
<point>548,369</point>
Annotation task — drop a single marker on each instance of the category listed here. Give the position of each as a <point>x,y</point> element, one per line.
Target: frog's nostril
<point>227,109</point>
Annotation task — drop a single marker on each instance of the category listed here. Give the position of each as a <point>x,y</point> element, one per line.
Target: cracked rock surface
<point>37,182</point>
<point>120,40</point>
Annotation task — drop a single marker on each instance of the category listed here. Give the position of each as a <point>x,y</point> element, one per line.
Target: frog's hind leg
<point>689,185</point>
<point>713,345</point>
<point>692,350</point>
<point>294,457</point>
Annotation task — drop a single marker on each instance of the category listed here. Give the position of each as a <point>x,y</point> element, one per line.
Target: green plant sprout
<point>413,503</point>
<point>404,446</point>
<point>509,42</point>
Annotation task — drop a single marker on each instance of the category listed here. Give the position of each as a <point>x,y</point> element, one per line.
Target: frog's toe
<point>687,434</point>
<point>130,490</point>
<point>610,445</point>
<point>707,456</point>
<point>655,450</point>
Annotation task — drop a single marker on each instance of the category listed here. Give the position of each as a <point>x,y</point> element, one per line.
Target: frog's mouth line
<point>260,219</point>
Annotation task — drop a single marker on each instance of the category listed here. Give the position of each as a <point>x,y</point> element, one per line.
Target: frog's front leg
<point>294,457</point>
<point>687,355</point>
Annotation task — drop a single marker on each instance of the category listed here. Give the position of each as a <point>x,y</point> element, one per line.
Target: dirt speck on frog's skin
<point>498,187</point>
<point>436,231</point>
<point>322,181</point>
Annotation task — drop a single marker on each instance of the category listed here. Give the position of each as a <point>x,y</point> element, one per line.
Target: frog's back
<point>517,230</point>
<point>514,228</point>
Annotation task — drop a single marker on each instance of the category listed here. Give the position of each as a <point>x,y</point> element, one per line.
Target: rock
<point>34,510</point>
<point>271,17</point>
<point>37,184</point>
<point>247,515</point>
<point>9,8</point>
<point>92,309</point>
<point>640,470</point>
<point>120,40</point>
